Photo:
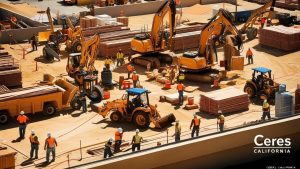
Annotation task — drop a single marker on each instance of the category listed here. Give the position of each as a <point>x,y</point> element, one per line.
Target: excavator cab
<point>74,59</point>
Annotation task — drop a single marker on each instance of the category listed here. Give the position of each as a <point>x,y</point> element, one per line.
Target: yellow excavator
<point>149,44</point>
<point>248,28</point>
<point>73,43</point>
<point>216,30</point>
<point>134,107</point>
<point>81,67</point>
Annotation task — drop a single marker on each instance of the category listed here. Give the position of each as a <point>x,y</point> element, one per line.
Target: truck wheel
<point>76,103</point>
<point>250,90</point>
<point>116,116</point>
<point>251,33</point>
<point>49,109</point>
<point>96,94</point>
<point>4,117</point>
<point>76,48</point>
<point>141,119</point>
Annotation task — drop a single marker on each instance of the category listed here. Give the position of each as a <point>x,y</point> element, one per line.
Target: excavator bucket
<point>165,121</point>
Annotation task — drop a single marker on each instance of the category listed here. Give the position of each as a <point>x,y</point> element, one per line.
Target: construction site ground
<point>72,127</point>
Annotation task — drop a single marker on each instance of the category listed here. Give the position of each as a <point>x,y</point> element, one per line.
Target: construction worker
<point>120,58</point>
<point>22,120</point>
<point>177,131</point>
<point>83,101</point>
<point>130,69</point>
<point>34,145</point>
<point>266,110</point>
<point>13,19</point>
<point>195,123</point>
<point>180,88</point>
<point>118,139</point>
<point>107,148</point>
<point>249,56</point>
<point>172,75</point>
<point>34,42</point>
<point>269,22</point>
<point>181,76</point>
<point>263,21</point>
<point>136,141</point>
<point>107,63</point>
<point>50,144</point>
<point>221,120</point>
<point>134,79</point>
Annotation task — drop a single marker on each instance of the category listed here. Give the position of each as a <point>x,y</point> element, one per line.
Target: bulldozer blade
<point>165,121</point>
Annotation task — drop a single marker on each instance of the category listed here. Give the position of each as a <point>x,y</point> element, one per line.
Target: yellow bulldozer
<point>134,107</point>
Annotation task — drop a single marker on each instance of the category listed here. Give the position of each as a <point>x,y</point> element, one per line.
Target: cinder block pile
<point>280,37</point>
<point>227,100</point>
<point>10,75</point>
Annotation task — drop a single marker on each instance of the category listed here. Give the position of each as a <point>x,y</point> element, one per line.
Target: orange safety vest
<point>249,53</point>
<point>22,119</point>
<point>178,2</point>
<point>222,119</point>
<point>14,19</point>
<point>118,135</point>
<point>51,142</point>
<point>196,121</point>
<point>31,138</point>
<point>130,68</point>
<point>180,87</point>
<point>134,77</point>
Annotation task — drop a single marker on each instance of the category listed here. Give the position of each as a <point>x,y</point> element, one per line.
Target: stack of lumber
<point>27,92</point>
<point>10,75</point>
<point>237,63</point>
<point>123,19</point>
<point>103,29</point>
<point>227,100</point>
<point>172,98</point>
<point>280,37</point>
<point>188,40</point>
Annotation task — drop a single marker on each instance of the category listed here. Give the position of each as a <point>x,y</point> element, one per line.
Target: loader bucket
<point>165,121</point>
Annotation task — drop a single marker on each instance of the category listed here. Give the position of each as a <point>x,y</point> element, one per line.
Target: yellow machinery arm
<point>69,23</point>
<point>50,19</point>
<point>88,53</point>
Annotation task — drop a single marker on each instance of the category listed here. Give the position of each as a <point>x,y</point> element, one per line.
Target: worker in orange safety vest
<point>50,144</point>
<point>249,56</point>
<point>118,139</point>
<point>180,88</point>
<point>130,69</point>
<point>34,142</point>
<point>22,120</point>
<point>134,79</point>
<point>221,121</point>
<point>195,123</point>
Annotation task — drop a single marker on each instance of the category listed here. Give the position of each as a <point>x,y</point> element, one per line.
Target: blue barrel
<point>282,88</point>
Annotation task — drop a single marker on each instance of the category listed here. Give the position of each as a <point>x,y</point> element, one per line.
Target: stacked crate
<point>280,37</point>
<point>123,19</point>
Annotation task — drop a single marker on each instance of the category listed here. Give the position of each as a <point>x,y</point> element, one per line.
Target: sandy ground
<point>72,127</point>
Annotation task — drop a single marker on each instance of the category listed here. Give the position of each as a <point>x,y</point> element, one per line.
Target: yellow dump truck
<point>47,98</point>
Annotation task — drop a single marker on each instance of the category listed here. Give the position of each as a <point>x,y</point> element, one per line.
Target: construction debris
<point>227,100</point>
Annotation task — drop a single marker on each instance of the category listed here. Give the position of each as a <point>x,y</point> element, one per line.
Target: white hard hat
<point>195,115</point>
<point>137,130</point>
<point>265,101</point>
<point>219,111</point>
<point>48,134</point>
<point>111,140</point>
<point>32,132</point>
<point>120,130</point>
<point>22,112</point>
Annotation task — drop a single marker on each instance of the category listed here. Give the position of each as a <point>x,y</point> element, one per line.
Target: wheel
<point>96,94</point>
<point>116,116</point>
<point>4,117</point>
<point>251,33</point>
<point>49,109</point>
<point>76,103</point>
<point>250,90</point>
<point>76,48</point>
<point>141,119</point>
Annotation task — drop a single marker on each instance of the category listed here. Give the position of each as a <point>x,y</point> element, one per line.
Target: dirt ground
<point>71,127</point>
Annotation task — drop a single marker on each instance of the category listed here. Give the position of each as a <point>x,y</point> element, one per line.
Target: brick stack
<point>102,29</point>
<point>237,63</point>
<point>188,40</point>
<point>280,37</point>
<point>10,75</point>
<point>227,100</point>
<point>123,19</point>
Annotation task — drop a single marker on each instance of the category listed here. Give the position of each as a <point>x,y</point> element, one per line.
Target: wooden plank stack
<point>280,37</point>
<point>7,159</point>
<point>102,29</point>
<point>123,19</point>
<point>10,75</point>
<point>227,100</point>
<point>237,63</point>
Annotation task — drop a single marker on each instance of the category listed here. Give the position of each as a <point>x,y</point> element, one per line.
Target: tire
<point>96,95</point>
<point>250,90</point>
<point>251,33</point>
<point>4,117</point>
<point>116,116</point>
<point>76,103</point>
<point>76,48</point>
<point>49,109</point>
<point>141,119</point>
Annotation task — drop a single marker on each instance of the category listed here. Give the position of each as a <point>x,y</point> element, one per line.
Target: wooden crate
<point>7,159</point>
<point>237,63</point>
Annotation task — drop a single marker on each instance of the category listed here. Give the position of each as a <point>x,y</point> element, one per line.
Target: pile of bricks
<point>123,19</point>
<point>280,37</point>
<point>10,74</point>
<point>88,21</point>
<point>227,100</point>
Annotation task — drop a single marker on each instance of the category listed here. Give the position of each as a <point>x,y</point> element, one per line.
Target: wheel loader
<point>134,107</point>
